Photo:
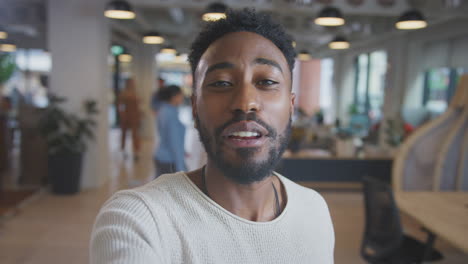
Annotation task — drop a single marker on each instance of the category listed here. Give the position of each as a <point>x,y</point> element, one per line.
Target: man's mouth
<point>244,135</point>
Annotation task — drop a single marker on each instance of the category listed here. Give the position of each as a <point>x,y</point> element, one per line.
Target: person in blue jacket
<point>170,154</point>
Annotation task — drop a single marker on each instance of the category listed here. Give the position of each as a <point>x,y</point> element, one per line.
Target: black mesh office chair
<point>384,240</point>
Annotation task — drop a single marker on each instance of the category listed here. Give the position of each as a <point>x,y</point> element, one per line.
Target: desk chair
<point>384,240</point>
<point>433,157</point>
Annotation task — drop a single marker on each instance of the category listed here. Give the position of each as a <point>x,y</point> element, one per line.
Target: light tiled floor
<point>56,229</point>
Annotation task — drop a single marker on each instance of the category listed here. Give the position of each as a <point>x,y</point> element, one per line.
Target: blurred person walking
<point>130,116</point>
<point>156,97</point>
<point>170,154</point>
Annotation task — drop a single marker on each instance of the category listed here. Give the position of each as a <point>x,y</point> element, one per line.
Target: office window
<point>34,60</point>
<point>326,89</point>
<point>370,71</point>
<point>439,86</point>
<point>362,75</point>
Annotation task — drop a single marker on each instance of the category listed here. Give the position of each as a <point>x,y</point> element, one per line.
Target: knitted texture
<point>170,220</point>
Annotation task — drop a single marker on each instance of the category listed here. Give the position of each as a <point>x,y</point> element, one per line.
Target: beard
<point>248,171</point>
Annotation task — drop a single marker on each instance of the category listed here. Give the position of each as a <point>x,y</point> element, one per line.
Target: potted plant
<point>66,135</point>
<point>7,68</point>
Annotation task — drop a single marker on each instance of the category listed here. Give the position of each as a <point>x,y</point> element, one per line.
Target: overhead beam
<point>177,14</point>
<point>118,26</point>
<point>142,20</point>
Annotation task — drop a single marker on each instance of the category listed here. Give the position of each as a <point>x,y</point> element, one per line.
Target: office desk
<point>331,169</point>
<point>443,213</point>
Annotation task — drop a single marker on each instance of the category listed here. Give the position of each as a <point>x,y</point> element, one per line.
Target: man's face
<point>243,105</point>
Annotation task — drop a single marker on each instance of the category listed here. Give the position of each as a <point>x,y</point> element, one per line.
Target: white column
<point>343,84</point>
<point>394,85</point>
<point>396,77</point>
<point>144,70</point>
<point>78,39</point>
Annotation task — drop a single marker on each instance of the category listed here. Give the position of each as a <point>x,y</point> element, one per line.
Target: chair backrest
<point>462,178</point>
<point>414,166</point>
<point>383,234</point>
<point>447,169</point>
<point>419,165</point>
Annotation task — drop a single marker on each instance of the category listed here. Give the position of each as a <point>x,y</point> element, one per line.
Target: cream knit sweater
<point>170,220</point>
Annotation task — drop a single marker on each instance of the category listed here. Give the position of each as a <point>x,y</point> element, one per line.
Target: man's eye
<point>220,84</point>
<point>267,82</point>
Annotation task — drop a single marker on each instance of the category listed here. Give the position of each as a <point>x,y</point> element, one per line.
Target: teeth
<point>245,134</point>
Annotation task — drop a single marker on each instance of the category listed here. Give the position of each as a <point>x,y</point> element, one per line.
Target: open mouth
<point>244,135</point>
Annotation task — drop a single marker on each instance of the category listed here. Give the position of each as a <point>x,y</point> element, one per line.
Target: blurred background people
<point>130,116</point>
<point>156,98</point>
<point>170,154</point>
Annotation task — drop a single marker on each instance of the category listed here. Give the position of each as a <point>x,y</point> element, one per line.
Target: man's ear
<point>293,101</point>
<point>193,99</point>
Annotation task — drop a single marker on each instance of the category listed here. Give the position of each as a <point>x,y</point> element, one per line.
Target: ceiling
<point>179,20</point>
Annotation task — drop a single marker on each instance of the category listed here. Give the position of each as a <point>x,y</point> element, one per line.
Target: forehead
<point>241,46</point>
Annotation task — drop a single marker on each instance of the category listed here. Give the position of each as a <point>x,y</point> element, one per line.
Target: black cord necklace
<point>277,203</point>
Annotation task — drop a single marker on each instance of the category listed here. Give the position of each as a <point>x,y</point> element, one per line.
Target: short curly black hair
<point>242,20</point>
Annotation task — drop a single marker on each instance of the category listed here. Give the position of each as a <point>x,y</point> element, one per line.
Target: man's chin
<point>244,170</point>
<point>246,174</point>
<point>242,155</point>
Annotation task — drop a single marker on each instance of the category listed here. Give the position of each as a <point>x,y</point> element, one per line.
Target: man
<point>235,209</point>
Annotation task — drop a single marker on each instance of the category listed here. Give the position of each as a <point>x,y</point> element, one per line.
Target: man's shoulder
<point>302,194</point>
<point>164,182</point>
<point>158,192</point>
<point>296,188</point>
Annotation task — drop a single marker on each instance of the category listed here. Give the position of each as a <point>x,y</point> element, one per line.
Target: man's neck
<point>255,201</point>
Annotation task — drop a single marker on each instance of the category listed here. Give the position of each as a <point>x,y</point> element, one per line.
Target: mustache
<point>251,116</point>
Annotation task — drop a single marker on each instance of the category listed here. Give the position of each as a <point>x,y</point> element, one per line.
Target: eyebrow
<point>218,66</point>
<point>228,65</point>
<point>267,62</point>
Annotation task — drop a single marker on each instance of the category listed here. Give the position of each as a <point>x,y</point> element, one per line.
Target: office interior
<point>382,108</point>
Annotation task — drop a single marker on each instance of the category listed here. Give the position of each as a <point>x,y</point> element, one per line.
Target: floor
<point>56,229</point>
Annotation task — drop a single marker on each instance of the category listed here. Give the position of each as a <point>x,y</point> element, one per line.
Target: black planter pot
<point>65,172</point>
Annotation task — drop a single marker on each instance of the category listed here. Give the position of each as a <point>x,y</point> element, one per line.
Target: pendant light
<point>181,57</point>
<point>153,38</point>
<point>3,34</point>
<point>125,57</point>
<point>339,43</point>
<point>330,16</point>
<point>215,11</point>
<point>169,50</point>
<point>303,55</point>
<point>119,9</point>
<point>7,47</point>
<point>412,19</point>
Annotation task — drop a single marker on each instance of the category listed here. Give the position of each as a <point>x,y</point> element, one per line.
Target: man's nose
<point>246,99</point>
